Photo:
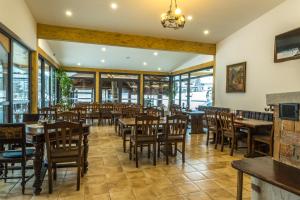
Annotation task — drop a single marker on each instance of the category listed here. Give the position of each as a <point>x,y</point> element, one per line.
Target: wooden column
<point>34,81</point>
<point>142,89</point>
<point>97,88</point>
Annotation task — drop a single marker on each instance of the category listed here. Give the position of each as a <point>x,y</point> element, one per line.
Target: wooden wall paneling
<point>34,81</point>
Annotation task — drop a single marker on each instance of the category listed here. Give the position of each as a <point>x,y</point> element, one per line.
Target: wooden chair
<point>153,112</point>
<point>68,116</point>
<point>212,126</point>
<point>81,111</point>
<point>145,133</point>
<point>126,131</point>
<point>48,113</point>
<point>105,115</point>
<point>64,145</point>
<point>14,134</point>
<point>228,130</point>
<point>264,137</point>
<point>175,132</point>
<point>93,112</point>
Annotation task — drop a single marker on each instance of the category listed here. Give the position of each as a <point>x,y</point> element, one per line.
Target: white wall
<point>43,44</point>
<point>254,44</point>
<point>16,16</point>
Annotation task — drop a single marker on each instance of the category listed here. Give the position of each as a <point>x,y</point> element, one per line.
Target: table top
<point>271,171</point>
<point>131,121</point>
<point>195,112</point>
<point>253,123</point>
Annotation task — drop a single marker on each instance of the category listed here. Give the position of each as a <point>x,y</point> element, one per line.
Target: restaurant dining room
<point>146,100</point>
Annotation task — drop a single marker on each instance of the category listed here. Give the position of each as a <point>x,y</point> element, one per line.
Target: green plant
<point>65,87</point>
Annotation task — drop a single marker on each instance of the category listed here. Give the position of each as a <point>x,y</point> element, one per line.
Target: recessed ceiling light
<point>144,63</point>
<point>159,69</point>
<point>103,49</point>
<point>178,11</point>
<point>190,17</point>
<point>114,6</point>
<point>78,64</point>
<point>69,13</point>
<point>103,61</point>
<point>206,32</point>
<point>155,53</point>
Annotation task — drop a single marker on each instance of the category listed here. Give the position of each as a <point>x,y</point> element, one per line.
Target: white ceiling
<point>221,17</point>
<point>90,55</point>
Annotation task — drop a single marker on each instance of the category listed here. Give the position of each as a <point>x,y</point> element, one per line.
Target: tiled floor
<point>206,174</point>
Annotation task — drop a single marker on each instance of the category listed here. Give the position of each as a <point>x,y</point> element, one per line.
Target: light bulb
<point>178,11</point>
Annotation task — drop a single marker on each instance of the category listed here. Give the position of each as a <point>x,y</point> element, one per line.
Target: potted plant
<point>65,87</point>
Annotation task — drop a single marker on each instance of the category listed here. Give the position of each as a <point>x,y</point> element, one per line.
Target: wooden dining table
<point>253,126</point>
<point>35,136</point>
<point>131,121</point>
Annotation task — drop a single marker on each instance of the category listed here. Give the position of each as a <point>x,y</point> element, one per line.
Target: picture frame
<point>236,78</point>
<point>287,46</point>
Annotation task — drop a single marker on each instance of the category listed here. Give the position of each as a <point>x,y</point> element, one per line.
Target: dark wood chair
<point>228,130</point>
<point>68,116</point>
<point>153,112</point>
<point>175,132</point>
<point>212,127</point>
<point>30,118</point>
<point>48,113</point>
<point>14,134</point>
<point>129,112</point>
<point>262,138</point>
<point>145,133</point>
<point>64,145</point>
<point>105,115</point>
<point>93,112</point>
<point>81,111</point>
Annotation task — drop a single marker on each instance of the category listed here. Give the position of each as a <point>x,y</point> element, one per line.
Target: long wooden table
<point>271,171</point>
<point>35,136</point>
<point>252,125</point>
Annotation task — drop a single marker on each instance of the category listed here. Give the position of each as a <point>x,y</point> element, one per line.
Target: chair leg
<point>54,171</point>
<point>175,149</point>
<point>78,177</point>
<point>136,156</point>
<point>124,142</point>
<point>5,172</point>
<point>50,186</point>
<point>158,149</point>
<point>222,143</point>
<point>166,152</point>
<point>23,176</point>
<point>183,152</point>
<point>216,140</point>
<point>154,154</point>
<point>130,150</point>
<point>207,137</point>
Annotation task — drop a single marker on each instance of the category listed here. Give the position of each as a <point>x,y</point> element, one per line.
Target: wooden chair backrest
<point>211,119</point>
<point>130,112</point>
<point>63,136</point>
<point>146,126</point>
<point>153,112</point>
<point>176,125</point>
<point>227,123</point>
<point>48,113</point>
<point>69,116</point>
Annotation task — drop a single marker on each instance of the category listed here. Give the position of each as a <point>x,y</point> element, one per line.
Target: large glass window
<point>83,86</point>
<point>193,89</point>
<point>156,90</point>
<point>120,88</point>
<point>20,81</point>
<point>47,85</point>
<point>4,101</point>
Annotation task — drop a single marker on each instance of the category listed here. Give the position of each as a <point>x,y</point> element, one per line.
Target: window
<point>47,85</point>
<point>193,89</point>
<point>156,90</point>
<point>120,88</point>
<point>20,81</point>
<point>83,86</point>
<point>4,101</point>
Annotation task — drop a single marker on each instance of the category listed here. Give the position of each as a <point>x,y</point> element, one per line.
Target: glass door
<point>4,101</point>
<point>129,91</point>
<point>20,81</point>
<point>184,93</point>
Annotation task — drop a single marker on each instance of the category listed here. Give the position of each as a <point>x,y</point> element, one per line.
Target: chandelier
<point>173,18</point>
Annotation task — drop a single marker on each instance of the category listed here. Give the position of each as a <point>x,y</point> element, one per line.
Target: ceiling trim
<point>51,32</point>
<point>47,57</point>
<point>121,71</point>
<point>193,68</point>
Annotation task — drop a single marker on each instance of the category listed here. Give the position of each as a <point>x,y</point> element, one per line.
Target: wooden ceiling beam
<point>51,32</point>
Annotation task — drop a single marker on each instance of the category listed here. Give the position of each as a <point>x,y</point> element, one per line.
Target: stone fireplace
<point>286,132</point>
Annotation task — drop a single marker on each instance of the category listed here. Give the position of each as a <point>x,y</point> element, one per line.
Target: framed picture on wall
<point>287,46</point>
<point>236,78</point>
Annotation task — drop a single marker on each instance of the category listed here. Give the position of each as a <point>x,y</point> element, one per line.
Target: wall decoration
<point>287,46</point>
<point>236,78</point>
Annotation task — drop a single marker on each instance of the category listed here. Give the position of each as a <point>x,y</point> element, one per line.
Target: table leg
<point>239,195</point>
<point>249,143</point>
<point>85,153</point>
<point>38,168</point>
